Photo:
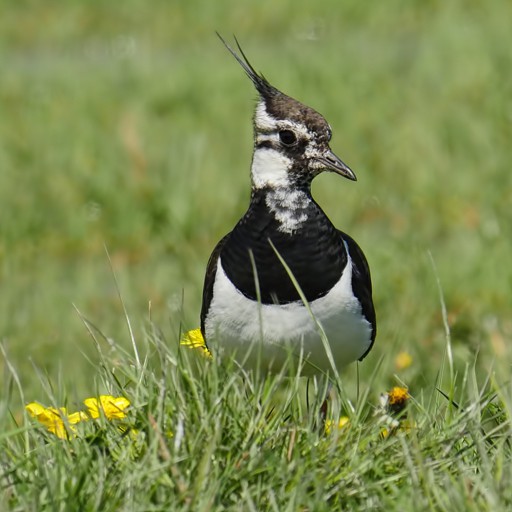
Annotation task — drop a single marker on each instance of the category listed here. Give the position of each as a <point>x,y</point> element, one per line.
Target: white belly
<point>264,335</point>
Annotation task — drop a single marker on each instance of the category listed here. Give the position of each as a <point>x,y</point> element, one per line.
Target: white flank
<point>233,325</point>
<point>269,168</point>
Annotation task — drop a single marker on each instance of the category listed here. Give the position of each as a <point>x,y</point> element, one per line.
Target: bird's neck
<point>285,191</point>
<point>291,206</point>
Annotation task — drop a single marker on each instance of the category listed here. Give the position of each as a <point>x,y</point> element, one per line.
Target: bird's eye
<point>287,137</point>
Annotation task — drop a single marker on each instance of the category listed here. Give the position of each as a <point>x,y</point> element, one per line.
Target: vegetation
<point>125,142</point>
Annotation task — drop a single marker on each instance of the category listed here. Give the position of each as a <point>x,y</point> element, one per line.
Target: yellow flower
<point>112,407</point>
<point>390,411</point>
<point>35,409</point>
<point>343,422</point>
<point>194,339</point>
<point>403,360</point>
<point>398,396</point>
<point>75,417</point>
<point>397,399</point>
<point>56,421</point>
<point>385,432</point>
<point>401,426</point>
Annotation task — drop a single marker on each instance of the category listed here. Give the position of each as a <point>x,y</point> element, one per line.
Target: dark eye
<point>287,137</point>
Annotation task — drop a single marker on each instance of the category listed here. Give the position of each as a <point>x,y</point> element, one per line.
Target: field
<point>125,145</point>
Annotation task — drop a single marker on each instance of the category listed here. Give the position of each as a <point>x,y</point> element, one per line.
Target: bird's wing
<point>209,280</point>
<point>362,284</point>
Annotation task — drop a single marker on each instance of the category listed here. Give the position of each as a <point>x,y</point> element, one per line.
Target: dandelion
<point>330,425</point>
<point>112,407</point>
<point>397,399</point>
<point>392,405</point>
<point>403,360</point>
<point>194,339</point>
<point>56,421</point>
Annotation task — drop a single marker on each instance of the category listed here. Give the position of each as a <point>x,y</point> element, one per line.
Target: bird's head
<point>291,140</point>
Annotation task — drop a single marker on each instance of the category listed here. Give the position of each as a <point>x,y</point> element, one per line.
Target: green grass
<point>208,437</point>
<point>128,127</point>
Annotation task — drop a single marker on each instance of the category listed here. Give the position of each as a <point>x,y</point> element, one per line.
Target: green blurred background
<point>128,125</point>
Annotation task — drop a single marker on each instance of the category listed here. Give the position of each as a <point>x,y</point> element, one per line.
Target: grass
<point>205,436</point>
<point>128,127</point>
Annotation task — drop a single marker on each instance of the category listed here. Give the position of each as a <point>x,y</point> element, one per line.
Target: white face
<point>270,169</point>
<point>272,160</point>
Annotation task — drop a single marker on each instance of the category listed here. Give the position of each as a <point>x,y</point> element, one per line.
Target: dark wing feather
<point>362,285</point>
<point>209,280</point>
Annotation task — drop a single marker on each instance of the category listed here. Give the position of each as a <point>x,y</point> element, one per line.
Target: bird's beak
<point>334,164</point>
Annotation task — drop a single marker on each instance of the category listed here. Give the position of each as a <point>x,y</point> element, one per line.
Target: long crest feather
<point>260,82</point>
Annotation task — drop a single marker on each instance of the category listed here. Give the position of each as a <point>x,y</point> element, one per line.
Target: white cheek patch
<point>270,169</point>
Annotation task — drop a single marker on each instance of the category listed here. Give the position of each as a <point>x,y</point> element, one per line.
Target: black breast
<point>315,254</point>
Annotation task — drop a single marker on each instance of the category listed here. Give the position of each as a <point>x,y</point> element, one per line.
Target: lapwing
<point>285,283</point>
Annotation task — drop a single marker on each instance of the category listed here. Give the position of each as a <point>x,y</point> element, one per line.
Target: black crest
<point>260,82</point>
<point>278,104</point>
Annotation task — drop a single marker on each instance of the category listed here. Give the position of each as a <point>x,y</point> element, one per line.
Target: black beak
<point>334,164</point>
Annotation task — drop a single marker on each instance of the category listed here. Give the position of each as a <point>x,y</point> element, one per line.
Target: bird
<point>285,284</point>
